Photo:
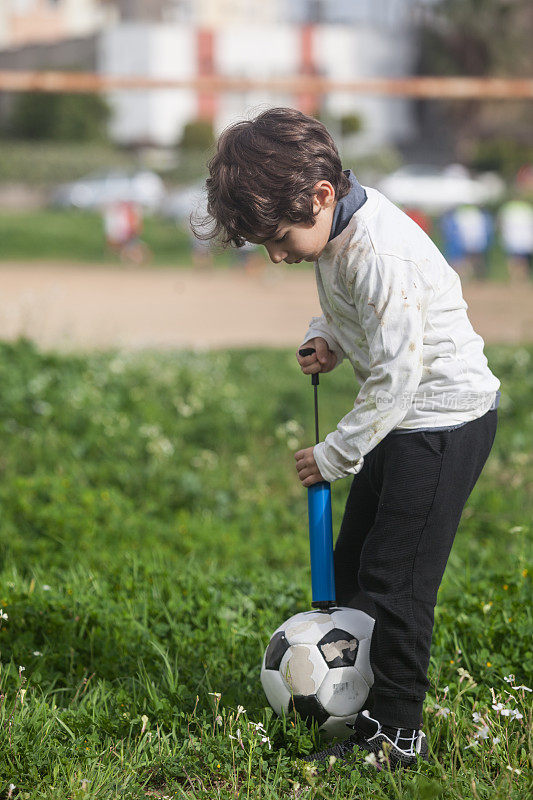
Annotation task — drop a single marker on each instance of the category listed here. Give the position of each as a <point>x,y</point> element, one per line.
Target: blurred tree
<point>350,124</point>
<point>198,134</point>
<point>63,117</point>
<point>501,155</point>
<point>481,38</point>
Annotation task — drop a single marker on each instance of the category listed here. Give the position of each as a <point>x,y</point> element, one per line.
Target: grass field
<point>77,236</point>
<point>153,536</point>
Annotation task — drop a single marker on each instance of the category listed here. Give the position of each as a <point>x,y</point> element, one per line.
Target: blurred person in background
<point>471,230</point>
<point>452,243</point>
<point>123,225</point>
<point>515,221</point>
<point>420,218</point>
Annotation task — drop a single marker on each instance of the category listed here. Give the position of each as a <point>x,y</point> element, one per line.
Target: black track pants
<point>401,517</point>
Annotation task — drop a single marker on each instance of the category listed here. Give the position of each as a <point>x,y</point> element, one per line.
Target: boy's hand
<point>307,468</point>
<point>322,360</point>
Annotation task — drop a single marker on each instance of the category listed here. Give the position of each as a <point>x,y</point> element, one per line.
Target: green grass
<point>77,237</point>
<point>153,536</point>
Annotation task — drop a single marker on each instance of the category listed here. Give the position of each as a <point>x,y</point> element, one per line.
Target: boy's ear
<point>324,195</point>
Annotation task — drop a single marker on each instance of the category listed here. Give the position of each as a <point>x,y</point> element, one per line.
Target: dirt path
<point>73,307</point>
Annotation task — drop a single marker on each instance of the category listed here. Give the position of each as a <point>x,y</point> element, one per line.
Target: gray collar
<point>347,206</point>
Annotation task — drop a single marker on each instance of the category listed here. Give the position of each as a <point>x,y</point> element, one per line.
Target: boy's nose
<point>276,255</point>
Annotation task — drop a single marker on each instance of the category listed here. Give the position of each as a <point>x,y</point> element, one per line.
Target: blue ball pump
<point>320,526</point>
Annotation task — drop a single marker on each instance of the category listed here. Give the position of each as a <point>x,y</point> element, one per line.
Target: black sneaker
<point>369,739</point>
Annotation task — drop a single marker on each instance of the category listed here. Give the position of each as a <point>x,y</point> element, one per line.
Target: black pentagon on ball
<point>309,708</point>
<point>338,648</point>
<point>276,650</point>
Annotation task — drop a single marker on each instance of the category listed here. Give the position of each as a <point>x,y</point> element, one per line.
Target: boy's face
<point>298,241</point>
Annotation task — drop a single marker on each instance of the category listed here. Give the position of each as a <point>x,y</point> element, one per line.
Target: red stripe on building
<point>306,102</point>
<point>205,54</point>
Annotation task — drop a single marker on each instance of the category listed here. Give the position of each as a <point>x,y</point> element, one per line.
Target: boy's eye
<point>282,238</point>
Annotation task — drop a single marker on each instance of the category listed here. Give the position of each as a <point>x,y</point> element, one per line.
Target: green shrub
<point>350,124</point>
<point>198,134</point>
<point>62,117</point>
<point>505,156</point>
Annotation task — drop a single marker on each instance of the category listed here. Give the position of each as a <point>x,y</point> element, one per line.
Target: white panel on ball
<point>336,726</point>
<point>303,669</point>
<point>343,691</point>
<point>362,661</point>
<point>354,620</point>
<point>277,693</point>
<point>308,627</point>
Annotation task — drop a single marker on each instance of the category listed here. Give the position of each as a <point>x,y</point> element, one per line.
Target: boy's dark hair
<point>264,170</point>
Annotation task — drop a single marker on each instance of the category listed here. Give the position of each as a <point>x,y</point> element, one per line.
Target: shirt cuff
<point>331,472</point>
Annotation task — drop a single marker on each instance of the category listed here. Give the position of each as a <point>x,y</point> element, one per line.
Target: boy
<point>425,417</point>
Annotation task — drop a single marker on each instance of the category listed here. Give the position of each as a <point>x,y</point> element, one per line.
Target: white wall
<point>246,51</point>
<point>164,51</point>
<point>368,52</point>
<point>255,51</point>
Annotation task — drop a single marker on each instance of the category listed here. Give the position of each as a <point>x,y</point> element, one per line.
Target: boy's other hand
<point>322,360</point>
<point>308,472</point>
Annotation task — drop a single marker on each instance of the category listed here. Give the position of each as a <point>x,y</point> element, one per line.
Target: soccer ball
<point>318,662</point>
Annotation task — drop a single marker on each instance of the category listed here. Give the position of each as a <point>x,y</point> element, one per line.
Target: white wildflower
<point>22,693</point>
<point>37,653</point>
<point>486,608</point>
<point>238,738</point>
<point>498,707</point>
<point>332,760</point>
<point>476,717</point>
<point>517,771</point>
<point>371,759</point>
<point>509,678</point>
<point>218,719</point>
<point>3,614</point>
<point>46,588</point>
<point>505,712</point>
<point>516,714</point>
<point>11,788</point>
<point>266,739</point>
<point>446,690</point>
<point>442,711</point>
<point>525,688</point>
<point>495,740</point>
<point>144,720</point>
<point>217,695</point>
<point>474,743</point>
<point>482,733</point>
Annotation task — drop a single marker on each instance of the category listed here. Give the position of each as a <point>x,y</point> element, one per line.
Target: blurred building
<point>24,22</point>
<point>338,39</point>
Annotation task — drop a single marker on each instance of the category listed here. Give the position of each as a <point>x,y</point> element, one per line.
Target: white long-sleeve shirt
<point>394,307</point>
